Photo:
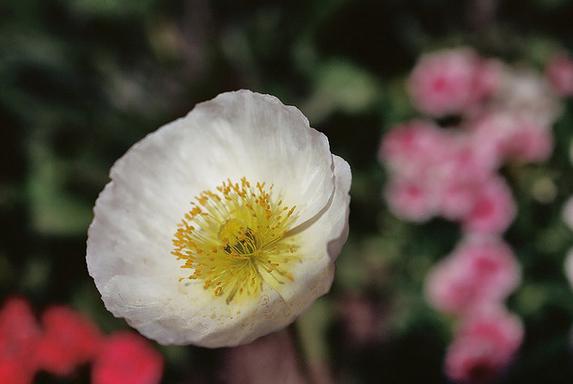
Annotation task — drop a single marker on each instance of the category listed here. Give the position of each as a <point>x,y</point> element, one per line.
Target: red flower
<point>125,358</point>
<point>15,371</point>
<point>69,340</point>
<point>19,335</point>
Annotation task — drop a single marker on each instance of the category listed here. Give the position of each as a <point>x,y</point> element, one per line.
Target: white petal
<point>320,244</point>
<point>257,136</point>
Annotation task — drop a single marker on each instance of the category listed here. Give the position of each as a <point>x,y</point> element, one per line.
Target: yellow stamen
<point>234,239</point>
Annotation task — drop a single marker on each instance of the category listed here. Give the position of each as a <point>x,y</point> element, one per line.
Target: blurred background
<point>82,80</point>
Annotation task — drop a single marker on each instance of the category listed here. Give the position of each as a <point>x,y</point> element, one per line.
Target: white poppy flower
<point>221,226</point>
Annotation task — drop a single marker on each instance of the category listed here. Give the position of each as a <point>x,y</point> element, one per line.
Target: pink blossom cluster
<point>65,340</point>
<point>452,81</point>
<point>438,172</point>
<point>472,284</point>
<point>483,344</point>
<point>479,273</point>
<point>453,173</point>
<point>505,115</point>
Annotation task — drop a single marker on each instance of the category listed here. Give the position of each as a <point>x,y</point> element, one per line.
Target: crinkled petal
<point>321,243</point>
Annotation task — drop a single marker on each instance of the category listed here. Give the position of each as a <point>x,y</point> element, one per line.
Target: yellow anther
<point>237,242</point>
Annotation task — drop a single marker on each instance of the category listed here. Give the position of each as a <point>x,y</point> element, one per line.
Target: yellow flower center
<point>236,238</point>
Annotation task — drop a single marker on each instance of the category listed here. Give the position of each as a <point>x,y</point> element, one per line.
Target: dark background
<point>82,80</point>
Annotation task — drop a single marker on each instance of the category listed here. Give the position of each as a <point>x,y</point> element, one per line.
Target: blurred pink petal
<point>559,71</point>
<point>435,171</point>
<point>510,136</point>
<point>456,199</point>
<point>127,358</point>
<point>493,209</point>
<point>479,272</point>
<point>488,77</point>
<point>69,340</point>
<point>491,132</point>
<point>19,334</point>
<point>530,143</point>
<point>485,344</point>
<point>408,200</point>
<point>457,177</point>
<point>451,81</point>
<point>409,148</point>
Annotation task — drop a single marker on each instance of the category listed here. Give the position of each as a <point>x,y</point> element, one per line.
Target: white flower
<point>222,226</point>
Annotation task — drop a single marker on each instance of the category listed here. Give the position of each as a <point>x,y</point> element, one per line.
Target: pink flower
<point>409,200</point>
<point>126,358</point>
<point>463,159</point>
<point>559,71</point>
<point>530,143</point>
<point>19,335</point>
<point>459,174</point>
<point>485,343</point>
<point>488,77</point>
<point>451,81</point>
<point>493,208</point>
<point>69,340</point>
<point>456,198</point>
<point>511,136</point>
<point>479,272</point>
<point>409,148</point>
<point>434,171</point>
<point>491,132</point>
